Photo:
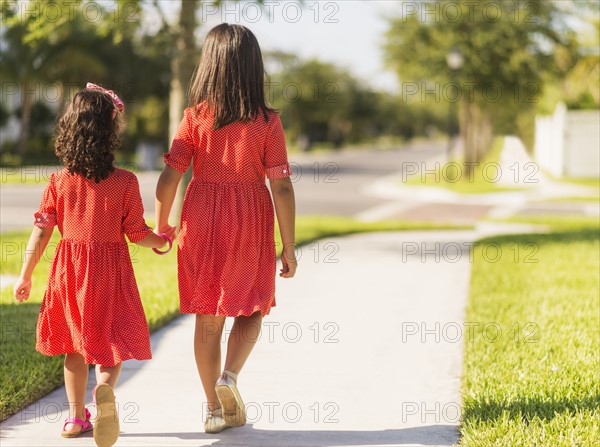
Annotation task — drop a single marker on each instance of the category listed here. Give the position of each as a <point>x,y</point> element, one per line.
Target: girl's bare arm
<point>166,189</point>
<point>38,241</point>
<point>285,208</point>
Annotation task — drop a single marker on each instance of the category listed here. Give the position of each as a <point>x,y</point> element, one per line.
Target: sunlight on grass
<point>452,176</point>
<point>591,182</point>
<point>556,223</point>
<point>591,199</point>
<point>531,363</point>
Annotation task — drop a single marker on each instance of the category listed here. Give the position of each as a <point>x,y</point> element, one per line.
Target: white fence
<point>567,143</point>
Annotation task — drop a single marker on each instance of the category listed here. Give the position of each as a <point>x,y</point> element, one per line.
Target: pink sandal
<point>85,426</point>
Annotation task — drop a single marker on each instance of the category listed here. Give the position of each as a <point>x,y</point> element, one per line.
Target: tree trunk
<point>26,108</point>
<point>182,68</point>
<point>476,133</point>
<point>182,65</point>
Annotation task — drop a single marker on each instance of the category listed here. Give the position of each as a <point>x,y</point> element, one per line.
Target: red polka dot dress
<point>226,256</point>
<point>92,305</point>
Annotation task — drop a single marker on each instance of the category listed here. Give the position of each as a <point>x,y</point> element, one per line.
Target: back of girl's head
<point>230,76</point>
<point>88,134</point>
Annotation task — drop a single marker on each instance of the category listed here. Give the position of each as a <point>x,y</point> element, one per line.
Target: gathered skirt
<point>227,255</point>
<point>92,305</point>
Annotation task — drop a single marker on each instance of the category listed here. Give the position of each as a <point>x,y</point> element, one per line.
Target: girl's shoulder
<point>273,120</point>
<point>59,177</point>
<point>266,118</point>
<point>198,116</point>
<point>273,114</point>
<point>201,110</point>
<point>124,175</point>
<point>59,174</point>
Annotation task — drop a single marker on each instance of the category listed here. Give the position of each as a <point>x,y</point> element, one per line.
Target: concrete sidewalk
<point>363,349</point>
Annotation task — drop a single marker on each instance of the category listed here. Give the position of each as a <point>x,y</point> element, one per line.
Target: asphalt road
<point>326,184</point>
<point>334,183</point>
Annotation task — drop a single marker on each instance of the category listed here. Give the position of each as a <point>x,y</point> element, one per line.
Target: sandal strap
<point>74,421</point>
<point>85,425</point>
<point>218,412</point>
<point>233,375</point>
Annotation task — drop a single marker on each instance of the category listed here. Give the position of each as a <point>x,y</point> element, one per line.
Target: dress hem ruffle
<point>239,313</point>
<point>89,359</point>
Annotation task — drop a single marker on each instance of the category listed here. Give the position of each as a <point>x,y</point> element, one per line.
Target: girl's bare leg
<point>241,341</point>
<point>207,349</point>
<point>108,374</point>
<point>76,377</point>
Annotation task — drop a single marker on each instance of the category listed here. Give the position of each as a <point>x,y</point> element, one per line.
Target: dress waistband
<point>70,241</point>
<point>198,182</point>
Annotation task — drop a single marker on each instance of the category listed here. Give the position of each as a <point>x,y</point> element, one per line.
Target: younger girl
<point>226,258</point>
<point>91,309</point>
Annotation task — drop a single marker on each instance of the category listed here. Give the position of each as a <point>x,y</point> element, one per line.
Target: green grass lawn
<point>452,176</point>
<point>536,384</point>
<point>26,176</point>
<point>27,375</point>
<point>591,199</point>
<point>591,182</point>
<point>556,223</point>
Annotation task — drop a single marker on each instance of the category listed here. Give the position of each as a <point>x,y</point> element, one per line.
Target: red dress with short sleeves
<point>226,255</point>
<point>92,305</point>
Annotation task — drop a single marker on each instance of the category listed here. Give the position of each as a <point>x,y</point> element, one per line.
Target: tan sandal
<point>232,405</point>
<point>214,422</point>
<point>106,425</point>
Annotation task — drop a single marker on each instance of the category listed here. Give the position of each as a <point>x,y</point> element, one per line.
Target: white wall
<point>582,144</point>
<point>549,131</point>
<point>567,143</point>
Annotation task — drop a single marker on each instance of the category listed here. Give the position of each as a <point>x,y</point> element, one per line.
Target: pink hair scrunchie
<point>115,98</point>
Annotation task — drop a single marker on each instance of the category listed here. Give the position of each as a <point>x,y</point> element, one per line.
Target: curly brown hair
<point>87,135</point>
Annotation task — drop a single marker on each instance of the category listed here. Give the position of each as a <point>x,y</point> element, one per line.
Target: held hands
<point>22,289</point>
<point>168,230</point>
<point>288,261</point>
<point>168,235</point>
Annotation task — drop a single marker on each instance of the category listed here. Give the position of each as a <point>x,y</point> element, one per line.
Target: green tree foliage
<point>53,47</point>
<point>313,98</point>
<point>510,50</point>
<point>320,102</point>
<point>580,88</point>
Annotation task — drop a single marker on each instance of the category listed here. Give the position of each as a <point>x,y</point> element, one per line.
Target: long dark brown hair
<point>230,76</point>
<point>87,135</point>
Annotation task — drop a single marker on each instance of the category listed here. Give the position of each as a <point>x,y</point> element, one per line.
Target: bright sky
<point>348,33</point>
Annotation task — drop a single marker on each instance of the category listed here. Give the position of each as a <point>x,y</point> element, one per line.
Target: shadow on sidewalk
<point>433,435</point>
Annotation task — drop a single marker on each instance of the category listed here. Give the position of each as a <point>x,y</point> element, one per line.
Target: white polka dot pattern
<point>226,256</point>
<point>92,305</point>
